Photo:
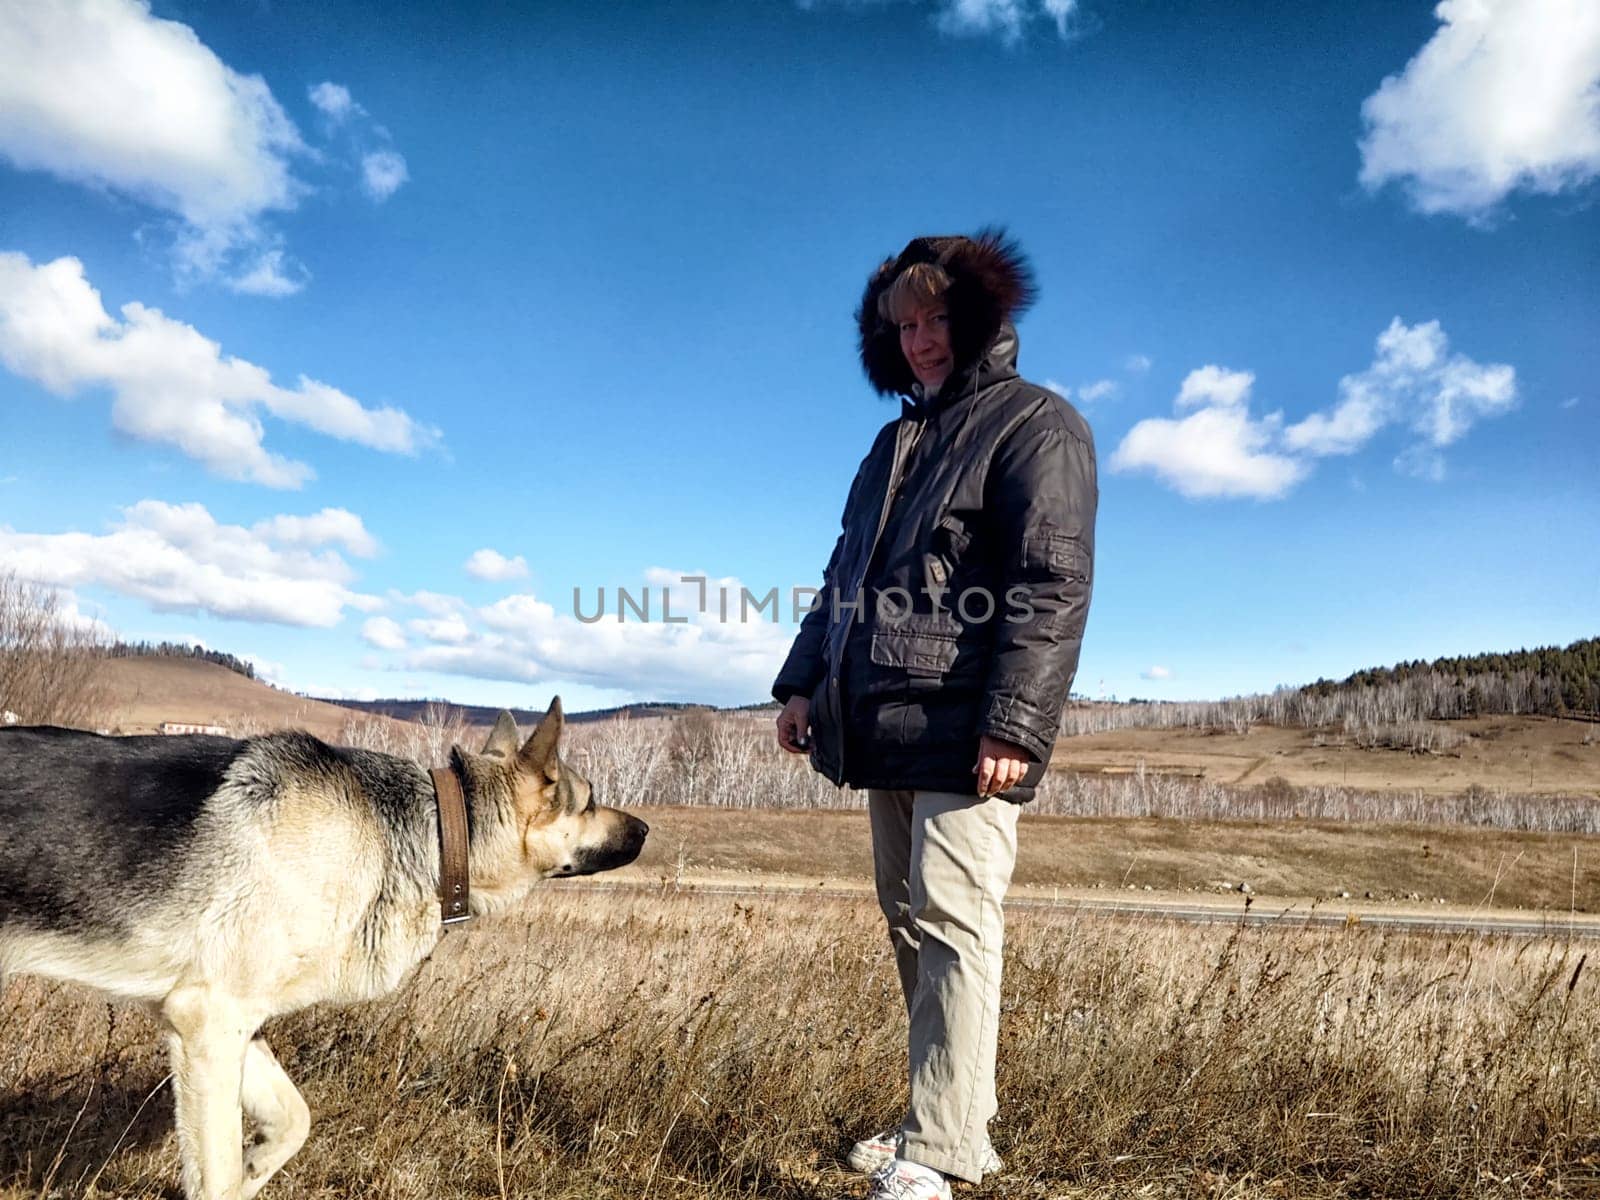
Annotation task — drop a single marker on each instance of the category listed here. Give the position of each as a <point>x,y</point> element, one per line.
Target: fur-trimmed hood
<point>991,284</point>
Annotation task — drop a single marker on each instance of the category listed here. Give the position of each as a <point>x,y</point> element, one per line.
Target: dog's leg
<point>280,1113</point>
<point>209,1033</point>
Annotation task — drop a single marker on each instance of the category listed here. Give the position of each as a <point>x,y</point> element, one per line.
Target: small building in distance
<point>174,727</point>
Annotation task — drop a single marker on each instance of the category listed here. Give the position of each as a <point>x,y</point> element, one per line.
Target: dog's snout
<point>621,847</point>
<point>632,840</point>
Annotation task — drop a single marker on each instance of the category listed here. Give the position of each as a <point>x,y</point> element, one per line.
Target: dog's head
<point>560,828</point>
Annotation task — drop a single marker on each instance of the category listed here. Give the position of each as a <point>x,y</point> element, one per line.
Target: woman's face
<point>925,341</point>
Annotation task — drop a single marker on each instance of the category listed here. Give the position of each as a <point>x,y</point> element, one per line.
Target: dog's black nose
<point>620,849</point>
<point>633,840</point>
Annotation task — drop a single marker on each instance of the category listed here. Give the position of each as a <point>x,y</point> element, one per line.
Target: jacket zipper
<point>902,458</point>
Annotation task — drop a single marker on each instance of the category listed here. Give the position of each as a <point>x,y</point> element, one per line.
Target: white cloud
<point>382,167</point>
<point>1504,97</point>
<point>330,527</point>
<point>1007,19</point>
<point>1062,13</point>
<point>1004,17</point>
<point>491,564</point>
<point>328,691</point>
<point>1087,394</point>
<point>384,633</point>
<point>103,93</point>
<point>430,602</point>
<point>1218,450</point>
<point>169,383</point>
<point>1216,385</point>
<point>1138,364</point>
<point>382,173</point>
<point>1360,413</point>
<point>1421,462</point>
<point>69,613</point>
<point>1569,402</point>
<point>451,631</point>
<point>1156,673</point>
<point>267,670</point>
<point>524,638</point>
<point>335,100</point>
<point>271,274</point>
<point>178,558</point>
<point>1413,379</point>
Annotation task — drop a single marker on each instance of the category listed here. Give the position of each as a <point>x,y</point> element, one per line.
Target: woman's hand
<point>1000,765</point>
<point>794,725</point>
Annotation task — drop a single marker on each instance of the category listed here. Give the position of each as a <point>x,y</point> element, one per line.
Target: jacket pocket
<point>925,662</point>
<point>919,654</point>
<point>1052,552</point>
<point>951,536</point>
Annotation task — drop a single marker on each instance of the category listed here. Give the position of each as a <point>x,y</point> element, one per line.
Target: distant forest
<point>1551,679</point>
<point>180,650</point>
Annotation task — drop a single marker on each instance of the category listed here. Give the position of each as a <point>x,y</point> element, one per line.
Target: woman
<point>934,669</point>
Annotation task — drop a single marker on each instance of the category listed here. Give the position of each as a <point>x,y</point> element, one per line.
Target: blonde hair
<point>918,285</point>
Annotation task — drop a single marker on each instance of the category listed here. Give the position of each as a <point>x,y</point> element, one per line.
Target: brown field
<point>1529,755</point>
<point>676,1046</point>
<point>1293,861</point>
<point>1475,869</point>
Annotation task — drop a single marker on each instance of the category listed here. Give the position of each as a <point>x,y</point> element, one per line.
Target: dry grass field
<point>1529,755</point>
<point>659,1041</point>
<point>1472,869</point>
<point>675,1046</point>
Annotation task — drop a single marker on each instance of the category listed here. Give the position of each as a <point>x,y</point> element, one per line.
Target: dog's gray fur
<point>226,882</point>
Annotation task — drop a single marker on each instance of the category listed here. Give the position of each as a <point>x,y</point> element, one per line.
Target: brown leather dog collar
<point>454,894</point>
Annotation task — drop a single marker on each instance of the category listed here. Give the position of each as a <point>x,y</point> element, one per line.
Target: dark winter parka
<point>955,599</point>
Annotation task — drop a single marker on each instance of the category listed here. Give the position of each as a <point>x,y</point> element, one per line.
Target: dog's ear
<point>538,754</point>
<point>503,737</point>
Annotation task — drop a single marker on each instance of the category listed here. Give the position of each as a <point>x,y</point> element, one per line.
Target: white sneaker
<point>870,1154</point>
<point>898,1179</point>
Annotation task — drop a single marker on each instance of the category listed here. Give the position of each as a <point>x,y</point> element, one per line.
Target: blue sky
<point>353,338</point>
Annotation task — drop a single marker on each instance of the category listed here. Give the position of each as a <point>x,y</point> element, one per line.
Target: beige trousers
<point>943,862</point>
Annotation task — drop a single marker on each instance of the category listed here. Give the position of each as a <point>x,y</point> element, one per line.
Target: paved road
<point>1258,913</point>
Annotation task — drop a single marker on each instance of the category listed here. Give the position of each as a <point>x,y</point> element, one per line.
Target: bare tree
<point>443,726</point>
<point>50,666</point>
<point>374,731</point>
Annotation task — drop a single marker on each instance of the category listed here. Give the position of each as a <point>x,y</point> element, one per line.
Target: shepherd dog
<point>225,882</point>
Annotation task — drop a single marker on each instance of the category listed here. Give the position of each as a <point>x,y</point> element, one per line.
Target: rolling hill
<point>141,693</point>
